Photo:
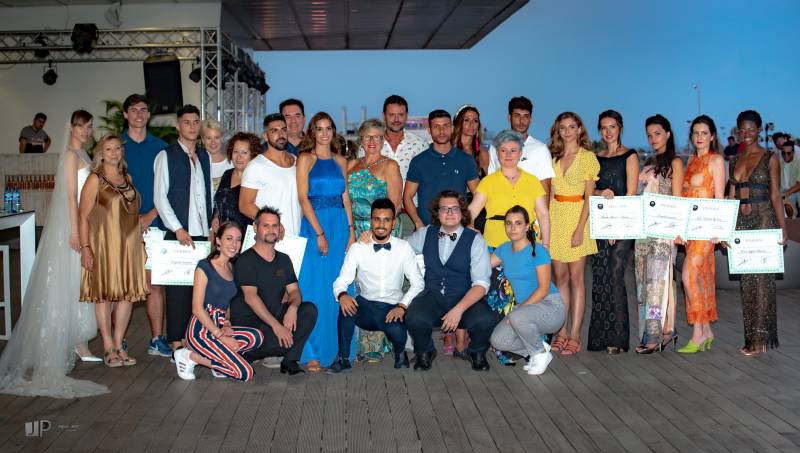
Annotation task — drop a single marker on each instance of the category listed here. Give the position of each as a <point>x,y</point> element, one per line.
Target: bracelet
<point>399,305</point>
<point>86,246</point>
<point>339,296</point>
<point>321,234</point>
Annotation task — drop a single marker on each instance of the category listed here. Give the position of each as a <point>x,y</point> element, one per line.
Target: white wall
<point>84,85</point>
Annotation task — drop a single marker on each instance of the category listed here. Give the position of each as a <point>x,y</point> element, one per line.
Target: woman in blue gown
<point>328,226</point>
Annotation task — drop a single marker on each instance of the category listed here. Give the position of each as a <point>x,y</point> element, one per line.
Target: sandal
<point>126,359</point>
<point>313,366</point>
<point>112,359</point>
<point>572,347</point>
<point>559,343</point>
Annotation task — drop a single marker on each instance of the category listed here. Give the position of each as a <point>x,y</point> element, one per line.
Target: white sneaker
<point>184,364</point>
<point>539,363</point>
<point>530,358</point>
<point>218,375</point>
<point>272,362</point>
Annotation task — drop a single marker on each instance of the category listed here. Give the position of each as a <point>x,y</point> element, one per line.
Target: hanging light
<point>50,76</point>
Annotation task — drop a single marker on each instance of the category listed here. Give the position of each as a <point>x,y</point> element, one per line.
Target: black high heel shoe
<point>645,349</point>
<point>673,339</point>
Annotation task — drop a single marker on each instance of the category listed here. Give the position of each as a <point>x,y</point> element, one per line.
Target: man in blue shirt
<point>294,113</point>
<point>141,149</point>
<point>441,167</point>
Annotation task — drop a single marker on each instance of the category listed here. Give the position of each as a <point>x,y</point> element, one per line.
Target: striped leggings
<point>223,359</point>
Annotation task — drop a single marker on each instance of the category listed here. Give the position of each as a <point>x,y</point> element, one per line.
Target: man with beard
<point>379,268</point>
<point>263,276</point>
<point>441,167</point>
<point>271,178</point>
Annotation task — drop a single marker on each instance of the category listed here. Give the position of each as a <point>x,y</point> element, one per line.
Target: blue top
<point>520,269</point>
<point>436,172</point>
<point>219,291</point>
<point>325,184</point>
<point>140,158</point>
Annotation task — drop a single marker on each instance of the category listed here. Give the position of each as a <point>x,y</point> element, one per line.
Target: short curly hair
<point>433,208</point>
<point>253,142</point>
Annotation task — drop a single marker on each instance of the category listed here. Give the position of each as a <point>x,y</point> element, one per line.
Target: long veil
<point>39,355</point>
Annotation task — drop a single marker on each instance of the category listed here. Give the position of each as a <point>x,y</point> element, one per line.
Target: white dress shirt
<point>407,149</point>
<point>379,275</point>
<point>535,159</point>
<point>480,270</point>
<point>198,223</point>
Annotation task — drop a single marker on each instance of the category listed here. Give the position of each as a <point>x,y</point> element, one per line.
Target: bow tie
<point>452,236</point>
<point>378,247</point>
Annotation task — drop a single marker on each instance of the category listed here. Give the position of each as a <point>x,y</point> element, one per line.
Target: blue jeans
<point>370,316</point>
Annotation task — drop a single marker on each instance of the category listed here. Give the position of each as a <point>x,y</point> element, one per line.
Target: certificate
<point>152,237</point>
<point>665,216</point>
<point>712,218</point>
<point>174,264</point>
<point>756,252</point>
<point>616,218</point>
<point>294,246</point>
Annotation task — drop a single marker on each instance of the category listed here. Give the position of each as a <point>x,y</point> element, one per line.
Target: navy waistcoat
<point>180,180</point>
<point>452,279</point>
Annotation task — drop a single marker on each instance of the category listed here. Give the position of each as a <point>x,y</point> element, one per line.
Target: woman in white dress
<point>54,326</point>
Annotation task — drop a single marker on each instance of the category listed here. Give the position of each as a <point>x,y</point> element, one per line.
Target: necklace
<point>121,189</point>
<point>368,166</point>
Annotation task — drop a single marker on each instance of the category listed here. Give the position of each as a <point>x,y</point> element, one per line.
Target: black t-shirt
<point>270,278</point>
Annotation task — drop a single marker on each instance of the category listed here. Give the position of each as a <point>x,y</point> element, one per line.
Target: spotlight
<point>84,37</point>
<point>43,52</point>
<point>261,85</point>
<point>50,76</point>
<point>195,75</point>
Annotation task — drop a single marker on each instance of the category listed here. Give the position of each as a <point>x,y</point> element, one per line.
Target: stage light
<point>50,76</point>
<point>42,41</point>
<point>84,37</point>
<point>195,75</point>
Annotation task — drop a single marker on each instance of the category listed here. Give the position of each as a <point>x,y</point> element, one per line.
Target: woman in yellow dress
<point>576,169</point>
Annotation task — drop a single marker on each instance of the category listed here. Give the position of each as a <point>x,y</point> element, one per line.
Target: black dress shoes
<point>291,367</point>
<point>339,365</point>
<point>401,359</point>
<point>425,360</point>
<point>478,360</point>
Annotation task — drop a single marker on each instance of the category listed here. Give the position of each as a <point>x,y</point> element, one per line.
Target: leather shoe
<point>291,367</point>
<point>400,359</point>
<point>424,360</point>
<point>478,360</point>
<point>339,365</point>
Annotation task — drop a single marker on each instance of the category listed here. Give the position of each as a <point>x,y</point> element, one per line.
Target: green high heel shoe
<point>692,348</point>
<point>707,344</point>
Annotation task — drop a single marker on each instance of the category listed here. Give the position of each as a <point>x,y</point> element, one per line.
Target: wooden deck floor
<point>717,401</point>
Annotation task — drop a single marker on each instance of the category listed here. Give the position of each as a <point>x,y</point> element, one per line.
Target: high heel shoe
<point>86,358</point>
<point>693,348</point>
<point>673,339</point>
<point>707,344</point>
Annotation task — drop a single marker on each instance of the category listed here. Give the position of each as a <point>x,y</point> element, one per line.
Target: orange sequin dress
<point>699,286</point>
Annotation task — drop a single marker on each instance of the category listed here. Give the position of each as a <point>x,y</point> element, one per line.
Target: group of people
<point>502,233</point>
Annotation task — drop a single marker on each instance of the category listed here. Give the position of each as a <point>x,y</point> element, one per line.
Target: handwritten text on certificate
<point>712,218</point>
<point>174,264</point>
<point>616,218</point>
<point>756,252</point>
<point>665,216</point>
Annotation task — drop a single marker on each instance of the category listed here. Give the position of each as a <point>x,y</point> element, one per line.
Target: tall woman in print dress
<point>705,178</point>
<point>576,170</point>
<point>655,286</point>
<point>328,225</point>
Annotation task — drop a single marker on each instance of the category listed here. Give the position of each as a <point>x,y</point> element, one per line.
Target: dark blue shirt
<point>436,172</point>
<point>292,149</point>
<point>219,291</point>
<point>140,158</point>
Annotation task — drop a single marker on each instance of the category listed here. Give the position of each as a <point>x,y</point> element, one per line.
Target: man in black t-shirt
<point>263,275</point>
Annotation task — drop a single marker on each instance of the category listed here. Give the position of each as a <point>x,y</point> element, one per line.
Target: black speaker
<point>162,83</point>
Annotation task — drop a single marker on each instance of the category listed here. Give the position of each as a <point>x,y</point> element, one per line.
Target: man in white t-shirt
<point>271,178</point>
<point>536,158</point>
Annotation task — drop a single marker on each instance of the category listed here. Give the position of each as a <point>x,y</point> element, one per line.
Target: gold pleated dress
<point>116,242</point>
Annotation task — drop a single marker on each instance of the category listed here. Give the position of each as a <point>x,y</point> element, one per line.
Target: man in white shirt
<point>379,269</point>
<point>271,178</point>
<point>182,196</point>
<point>536,158</point>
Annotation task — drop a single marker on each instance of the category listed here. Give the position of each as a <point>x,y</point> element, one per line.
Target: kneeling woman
<point>212,341</point>
<point>540,309</point>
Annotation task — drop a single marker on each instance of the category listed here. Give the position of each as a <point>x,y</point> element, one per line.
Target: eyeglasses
<point>373,138</point>
<point>784,153</point>
<point>449,209</point>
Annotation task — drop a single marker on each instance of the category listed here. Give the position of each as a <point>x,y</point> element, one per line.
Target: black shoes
<point>291,367</point>
<point>478,360</point>
<point>401,359</point>
<point>424,360</point>
<point>339,365</point>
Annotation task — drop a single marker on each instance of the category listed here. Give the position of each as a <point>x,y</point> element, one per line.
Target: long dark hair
<point>530,234</point>
<point>458,127</point>
<point>614,115</point>
<point>226,225</point>
<point>705,119</point>
<point>309,141</point>
<point>663,162</point>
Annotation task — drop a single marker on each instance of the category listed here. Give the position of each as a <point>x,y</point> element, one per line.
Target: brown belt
<point>568,198</point>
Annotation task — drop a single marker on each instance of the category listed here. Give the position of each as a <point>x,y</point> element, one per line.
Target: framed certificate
<point>174,264</point>
<point>712,218</point>
<point>294,246</point>
<point>665,216</point>
<point>756,252</point>
<point>616,218</point>
<point>151,237</point>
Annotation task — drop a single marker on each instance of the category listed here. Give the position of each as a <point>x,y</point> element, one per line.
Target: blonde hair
<point>557,143</point>
<point>211,124</point>
<point>97,158</point>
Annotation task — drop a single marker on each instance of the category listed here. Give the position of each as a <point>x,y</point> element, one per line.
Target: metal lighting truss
<point>209,46</point>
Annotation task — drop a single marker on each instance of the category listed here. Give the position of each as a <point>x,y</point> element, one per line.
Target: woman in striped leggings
<point>212,341</point>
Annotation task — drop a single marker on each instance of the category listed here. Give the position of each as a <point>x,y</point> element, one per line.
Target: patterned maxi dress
<point>654,258</point>
<point>759,308</point>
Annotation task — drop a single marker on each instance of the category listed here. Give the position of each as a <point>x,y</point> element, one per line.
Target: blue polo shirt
<point>436,172</point>
<point>292,149</point>
<point>140,158</point>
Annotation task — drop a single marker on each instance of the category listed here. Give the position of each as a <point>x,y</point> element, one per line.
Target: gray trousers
<point>521,331</point>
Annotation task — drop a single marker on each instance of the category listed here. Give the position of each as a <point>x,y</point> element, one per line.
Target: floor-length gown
<point>759,308</point>
<point>608,325</point>
<point>326,185</point>
<point>40,353</point>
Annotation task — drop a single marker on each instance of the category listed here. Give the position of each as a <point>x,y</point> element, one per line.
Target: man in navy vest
<point>182,195</point>
<point>457,274</point>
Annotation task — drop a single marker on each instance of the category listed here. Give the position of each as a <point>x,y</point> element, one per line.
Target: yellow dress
<point>564,215</point>
<point>501,195</point>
